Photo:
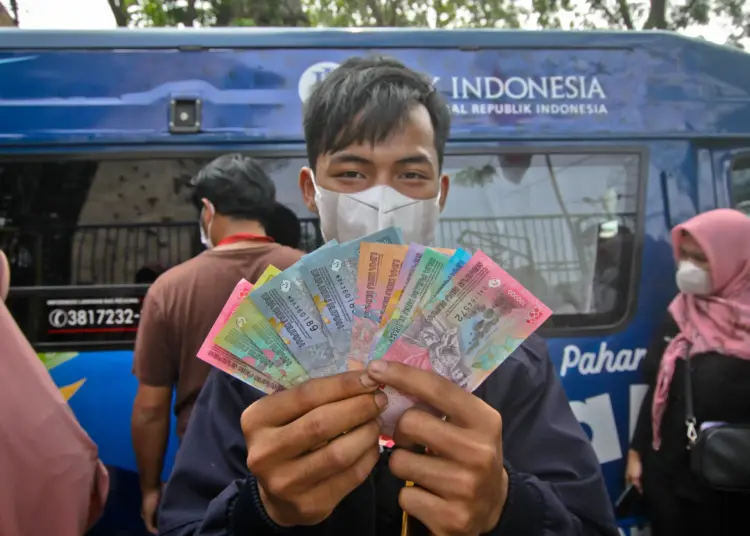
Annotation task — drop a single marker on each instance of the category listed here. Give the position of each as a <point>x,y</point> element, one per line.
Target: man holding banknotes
<point>235,198</point>
<point>507,459</point>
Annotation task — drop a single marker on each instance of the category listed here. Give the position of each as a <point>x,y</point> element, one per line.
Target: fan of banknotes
<point>344,305</point>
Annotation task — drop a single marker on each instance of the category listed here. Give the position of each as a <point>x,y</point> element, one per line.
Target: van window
<point>80,234</point>
<point>109,222</point>
<point>741,184</point>
<point>85,237</point>
<point>564,225</point>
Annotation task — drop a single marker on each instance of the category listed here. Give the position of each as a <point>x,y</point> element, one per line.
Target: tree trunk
<point>657,16</point>
<point>119,12</point>
<point>190,14</point>
<point>223,12</point>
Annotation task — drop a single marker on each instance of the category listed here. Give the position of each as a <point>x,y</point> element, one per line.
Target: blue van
<point>572,155</point>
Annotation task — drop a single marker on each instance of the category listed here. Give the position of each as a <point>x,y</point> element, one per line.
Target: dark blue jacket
<point>556,486</point>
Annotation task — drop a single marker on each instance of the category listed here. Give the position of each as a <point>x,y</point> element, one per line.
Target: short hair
<point>284,226</point>
<point>365,99</point>
<point>237,186</point>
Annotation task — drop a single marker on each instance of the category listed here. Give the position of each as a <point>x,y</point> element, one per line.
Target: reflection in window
<point>113,221</point>
<point>562,224</point>
<point>741,185</point>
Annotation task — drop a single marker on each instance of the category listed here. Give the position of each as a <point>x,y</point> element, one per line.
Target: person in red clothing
<point>236,199</point>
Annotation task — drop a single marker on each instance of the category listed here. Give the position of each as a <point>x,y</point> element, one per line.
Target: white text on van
<point>625,360</point>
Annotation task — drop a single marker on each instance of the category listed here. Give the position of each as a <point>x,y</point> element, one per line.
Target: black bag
<point>630,504</point>
<point>719,454</point>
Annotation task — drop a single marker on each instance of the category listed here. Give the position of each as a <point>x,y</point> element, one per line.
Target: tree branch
<point>612,18</point>
<point>685,14</point>
<point>624,10</point>
<point>377,13</point>
<point>14,12</point>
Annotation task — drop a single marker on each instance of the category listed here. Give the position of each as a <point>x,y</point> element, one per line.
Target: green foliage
<point>651,14</point>
<point>189,13</point>
<point>670,15</point>
<point>599,14</point>
<point>429,13</point>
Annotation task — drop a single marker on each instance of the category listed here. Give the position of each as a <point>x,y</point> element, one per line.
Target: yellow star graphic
<point>69,390</point>
<point>55,359</point>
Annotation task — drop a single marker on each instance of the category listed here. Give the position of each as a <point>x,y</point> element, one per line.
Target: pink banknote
<point>471,326</point>
<point>224,360</point>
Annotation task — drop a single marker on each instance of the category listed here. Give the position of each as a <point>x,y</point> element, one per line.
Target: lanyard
<point>387,442</point>
<point>405,517</point>
<point>244,237</point>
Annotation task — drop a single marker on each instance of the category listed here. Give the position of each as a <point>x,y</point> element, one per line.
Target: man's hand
<point>150,433</point>
<point>461,485</point>
<point>149,506</point>
<point>312,445</point>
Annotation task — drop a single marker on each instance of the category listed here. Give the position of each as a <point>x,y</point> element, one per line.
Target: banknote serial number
<point>61,318</point>
<point>513,295</point>
<point>467,310</point>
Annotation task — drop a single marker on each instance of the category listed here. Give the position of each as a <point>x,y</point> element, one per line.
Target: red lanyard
<point>244,237</point>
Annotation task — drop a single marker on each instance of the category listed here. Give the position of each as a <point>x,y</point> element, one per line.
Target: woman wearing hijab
<point>709,321</point>
<point>52,482</point>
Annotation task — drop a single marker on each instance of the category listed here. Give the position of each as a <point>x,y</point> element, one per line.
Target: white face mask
<point>349,216</point>
<point>206,233</point>
<point>692,279</point>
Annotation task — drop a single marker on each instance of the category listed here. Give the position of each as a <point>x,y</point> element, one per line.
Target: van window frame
<point>741,157</point>
<point>454,148</point>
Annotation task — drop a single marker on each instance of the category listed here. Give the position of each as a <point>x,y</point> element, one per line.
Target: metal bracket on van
<point>185,115</point>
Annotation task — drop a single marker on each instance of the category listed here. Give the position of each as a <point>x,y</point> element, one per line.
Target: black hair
<point>237,186</point>
<point>148,273</point>
<point>365,99</point>
<point>284,227</point>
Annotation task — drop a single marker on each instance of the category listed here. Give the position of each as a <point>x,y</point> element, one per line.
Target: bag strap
<point>690,422</point>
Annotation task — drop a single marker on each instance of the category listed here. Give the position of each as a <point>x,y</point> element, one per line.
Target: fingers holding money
<point>328,422</point>
<point>328,460</point>
<point>291,404</point>
<point>460,407</point>
<point>309,446</point>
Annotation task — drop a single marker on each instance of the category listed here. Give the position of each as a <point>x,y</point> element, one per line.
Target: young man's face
<point>407,161</point>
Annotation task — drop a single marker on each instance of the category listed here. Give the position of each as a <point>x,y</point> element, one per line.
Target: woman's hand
<point>634,470</point>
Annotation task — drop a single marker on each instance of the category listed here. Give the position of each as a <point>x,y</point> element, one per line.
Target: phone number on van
<point>62,318</point>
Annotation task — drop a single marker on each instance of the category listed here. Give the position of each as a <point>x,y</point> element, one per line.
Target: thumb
<point>151,523</point>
